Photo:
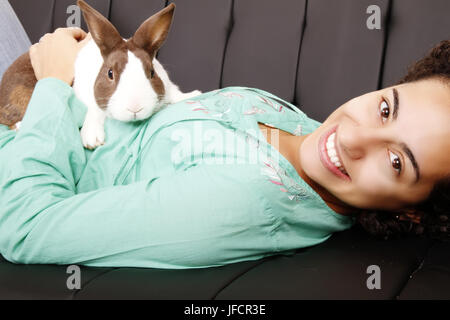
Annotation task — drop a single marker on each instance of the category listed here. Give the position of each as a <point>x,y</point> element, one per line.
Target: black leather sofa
<point>314,53</point>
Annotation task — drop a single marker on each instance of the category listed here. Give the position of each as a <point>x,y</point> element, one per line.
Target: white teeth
<point>332,153</point>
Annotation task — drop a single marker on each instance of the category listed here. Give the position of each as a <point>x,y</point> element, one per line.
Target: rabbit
<point>114,77</point>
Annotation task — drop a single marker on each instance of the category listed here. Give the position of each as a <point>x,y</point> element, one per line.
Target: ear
<point>153,31</point>
<point>103,32</point>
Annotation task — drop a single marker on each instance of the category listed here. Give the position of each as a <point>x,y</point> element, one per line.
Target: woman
<point>234,174</point>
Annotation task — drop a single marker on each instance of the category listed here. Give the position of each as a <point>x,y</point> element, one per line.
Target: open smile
<point>329,154</point>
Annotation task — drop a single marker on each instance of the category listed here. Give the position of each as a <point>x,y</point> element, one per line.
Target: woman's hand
<point>55,54</point>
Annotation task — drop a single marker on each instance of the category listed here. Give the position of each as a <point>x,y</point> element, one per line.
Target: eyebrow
<point>396,104</point>
<point>404,147</point>
<point>410,155</point>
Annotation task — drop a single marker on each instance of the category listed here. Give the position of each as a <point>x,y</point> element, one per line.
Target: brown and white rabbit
<point>114,77</point>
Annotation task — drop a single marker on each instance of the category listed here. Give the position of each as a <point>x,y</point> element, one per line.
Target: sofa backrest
<point>316,54</point>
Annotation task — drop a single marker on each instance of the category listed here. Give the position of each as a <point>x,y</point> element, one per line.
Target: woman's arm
<point>43,163</point>
<point>204,216</point>
<point>182,220</point>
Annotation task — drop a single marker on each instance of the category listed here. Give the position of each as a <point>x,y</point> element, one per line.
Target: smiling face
<point>385,149</point>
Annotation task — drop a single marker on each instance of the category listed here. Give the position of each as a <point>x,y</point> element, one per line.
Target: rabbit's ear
<point>153,31</point>
<point>103,32</point>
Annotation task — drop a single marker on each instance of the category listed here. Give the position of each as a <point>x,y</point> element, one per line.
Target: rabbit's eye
<point>110,74</point>
<point>152,73</point>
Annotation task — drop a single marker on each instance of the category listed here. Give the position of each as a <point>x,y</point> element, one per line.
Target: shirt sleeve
<point>199,217</point>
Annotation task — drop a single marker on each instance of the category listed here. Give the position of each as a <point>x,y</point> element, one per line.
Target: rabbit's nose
<point>135,109</point>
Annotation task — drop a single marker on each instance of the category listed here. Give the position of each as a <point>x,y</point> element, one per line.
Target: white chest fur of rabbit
<point>114,77</point>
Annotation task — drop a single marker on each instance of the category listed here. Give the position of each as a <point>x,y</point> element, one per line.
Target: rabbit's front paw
<point>92,135</point>
<point>192,94</point>
<point>17,126</point>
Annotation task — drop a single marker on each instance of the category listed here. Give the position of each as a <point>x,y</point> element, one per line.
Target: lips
<point>329,154</point>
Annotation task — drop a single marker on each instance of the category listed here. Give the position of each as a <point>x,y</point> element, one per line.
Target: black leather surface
<point>415,27</point>
<point>192,284</point>
<point>315,53</point>
<point>263,46</point>
<point>432,279</point>
<point>336,269</point>
<point>40,281</point>
<point>340,57</point>
<point>194,51</point>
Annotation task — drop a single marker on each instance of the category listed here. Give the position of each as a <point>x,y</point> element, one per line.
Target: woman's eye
<point>395,162</point>
<point>384,111</point>
<point>110,74</point>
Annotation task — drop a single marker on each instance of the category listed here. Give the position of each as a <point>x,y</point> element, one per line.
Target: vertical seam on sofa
<point>302,33</point>
<point>230,29</point>
<point>385,41</point>
<point>53,15</point>
<point>109,9</point>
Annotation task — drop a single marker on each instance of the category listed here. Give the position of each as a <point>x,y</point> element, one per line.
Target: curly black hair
<point>431,218</point>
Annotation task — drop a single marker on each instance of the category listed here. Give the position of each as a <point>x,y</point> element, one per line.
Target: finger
<point>33,49</point>
<point>32,55</point>
<point>85,40</point>
<point>77,33</point>
<point>46,37</point>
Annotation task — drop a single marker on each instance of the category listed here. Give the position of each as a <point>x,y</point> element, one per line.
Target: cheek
<point>157,85</point>
<point>359,111</point>
<point>372,175</point>
<point>369,184</point>
<point>373,188</point>
<point>103,90</point>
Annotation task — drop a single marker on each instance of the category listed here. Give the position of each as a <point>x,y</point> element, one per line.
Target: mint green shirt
<point>195,186</point>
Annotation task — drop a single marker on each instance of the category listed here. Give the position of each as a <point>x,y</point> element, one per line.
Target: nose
<point>357,141</point>
<point>135,109</point>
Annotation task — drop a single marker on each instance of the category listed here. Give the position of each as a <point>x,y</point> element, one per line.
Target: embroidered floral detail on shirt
<point>253,110</point>
<point>220,109</point>
<point>231,94</point>
<point>279,177</point>
<point>278,108</point>
<point>275,174</point>
<point>197,106</point>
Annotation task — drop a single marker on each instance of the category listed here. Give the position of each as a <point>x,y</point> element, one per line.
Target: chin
<point>121,117</point>
<point>145,115</point>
